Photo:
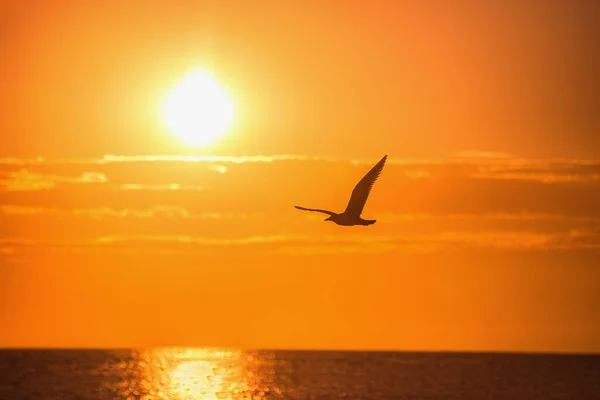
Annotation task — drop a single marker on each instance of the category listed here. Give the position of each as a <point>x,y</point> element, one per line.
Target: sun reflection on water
<point>205,374</point>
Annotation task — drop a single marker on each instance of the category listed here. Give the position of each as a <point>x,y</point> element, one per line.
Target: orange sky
<point>114,233</point>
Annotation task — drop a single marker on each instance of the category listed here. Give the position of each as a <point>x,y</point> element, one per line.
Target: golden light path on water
<point>196,373</point>
<point>200,374</point>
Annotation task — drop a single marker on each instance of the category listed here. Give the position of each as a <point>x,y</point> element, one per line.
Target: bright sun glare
<point>198,110</point>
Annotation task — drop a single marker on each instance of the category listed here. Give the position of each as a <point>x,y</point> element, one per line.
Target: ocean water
<point>195,373</point>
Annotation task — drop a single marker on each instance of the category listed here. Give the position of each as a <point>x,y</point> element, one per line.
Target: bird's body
<point>341,219</point>
<point>351,215</point>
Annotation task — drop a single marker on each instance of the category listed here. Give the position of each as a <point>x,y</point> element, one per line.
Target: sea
<point>198,373</point>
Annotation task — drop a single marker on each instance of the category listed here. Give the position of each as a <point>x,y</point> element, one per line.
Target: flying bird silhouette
<point>351,216</point>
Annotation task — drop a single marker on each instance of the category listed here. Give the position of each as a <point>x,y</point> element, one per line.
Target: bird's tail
<point>369,221</point>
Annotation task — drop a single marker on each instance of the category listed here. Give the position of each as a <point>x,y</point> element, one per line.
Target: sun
<point>198,110</point>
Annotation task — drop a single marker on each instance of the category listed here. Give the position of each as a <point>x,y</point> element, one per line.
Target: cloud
<point>417,174</point>
<point>432,243</point>
<point>21,161</point>
<point>9,255</point>
<point>373,248</point>
<point>105,212</point>
<point>24,180</point>
<point>196,159</point>
<point>218,168</point>
<point>99,213</point>
<point>544,177</point>
<point>521,216</point>
<point>482,154</point>
<point>19,242</point>
<point>121,159</point>
<point>183,239</point>
<point>386,216</point>
<point>470,157</point>
<point>169,186</point>
<point>472,164</point>
<point>485,186</point>
<point>24,210</point>
<point>574,239</point>
<point>7,251</point>
<point>118,159</point>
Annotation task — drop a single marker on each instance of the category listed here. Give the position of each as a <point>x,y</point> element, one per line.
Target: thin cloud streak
<point>474,158</point>
<point>575,239</point>
<point>496,240</point>
<point>218,168</point>
<point>113,159</point>
<point>105,212</point>
<point>539,177</point>
<point>398,217</point>
<point>24,180</point>
<point>473,167</point>
<point>170,186</point>
<point>182,212</point>
<point>482,154</point>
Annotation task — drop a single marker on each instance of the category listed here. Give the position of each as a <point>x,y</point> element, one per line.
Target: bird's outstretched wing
<point>363,188</point>
<point>315,209</point>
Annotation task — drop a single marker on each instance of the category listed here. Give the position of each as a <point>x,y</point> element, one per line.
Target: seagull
<point>351,216</point>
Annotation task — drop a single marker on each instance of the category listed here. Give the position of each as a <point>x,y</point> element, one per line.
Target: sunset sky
<point>115,232</point>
